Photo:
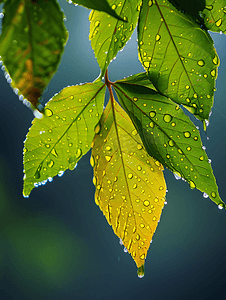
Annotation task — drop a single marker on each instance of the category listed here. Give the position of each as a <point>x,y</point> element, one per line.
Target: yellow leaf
<point>130,187</point>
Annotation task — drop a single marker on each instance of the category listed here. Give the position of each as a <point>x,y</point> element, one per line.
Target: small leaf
<point>178,56</point>
<point>169,136</point>
<point>31,44</point>
<point>130,187</point>
<point>63,135</point>
<point>109,35</point>
<point>139,79</point>
<point>100,5</point>
<point>214,15</point>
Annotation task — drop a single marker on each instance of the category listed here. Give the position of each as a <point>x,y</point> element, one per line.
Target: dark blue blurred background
<point>57,245</point>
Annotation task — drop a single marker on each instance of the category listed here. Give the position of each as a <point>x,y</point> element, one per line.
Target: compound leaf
<point>214,15</point>
<point>100,5</point>
<point>130,187</point>
<point>169,136</point>
<point>58,140</point>
<point>178,56</point>
<point>109,35</point>
<point>31,44</point>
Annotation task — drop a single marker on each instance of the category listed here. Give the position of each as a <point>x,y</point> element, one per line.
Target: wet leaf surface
<point>214,15</point>
<point>130,187</point>
<point>31,44</point>
<point>178,56</point>
<point>63,135</point>
<point>109,35</point>
<point>169,136</point>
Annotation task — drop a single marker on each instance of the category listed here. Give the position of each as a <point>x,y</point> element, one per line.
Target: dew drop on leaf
<point>78,153</point>
<point>54,153</point>
<point>192,184</point>
<point>213,73</point>
<point>48,112</point>
<point>167,118</point>
<point>108,158</point>
<point>92,161</point>
<point>201,63</point>
<point>140,270</point>
<point>152,114</point>
<point>187,134</point>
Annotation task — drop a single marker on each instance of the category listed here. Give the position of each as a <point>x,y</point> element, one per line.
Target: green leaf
<point>191,7</point>
<point>100,5</point>
<point>31,44</point>
<point>178,56</point>
<point>214,15</point>
<point>139,79</point>
<point>63,135</point>
<point>169,136</point>
<point>109,35</point>
<point>130,186</point>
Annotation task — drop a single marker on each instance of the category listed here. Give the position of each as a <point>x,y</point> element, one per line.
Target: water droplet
<point>221,206</point>
<point>108,148</point>
<point>142,225</point>
<point>177,176</point>
<point>188,148</point>
<point>78,153</point>
<point>97,129</point>
<point>139,146</point>
<point>201,158</point>
<point>61,173</point>
<point>219,22</point>
<point>157,37</point>
<point>135,99</point>
<point>171,143</point>
<point>48,112</point>
<point>50,163</point>
<point>205,195</point>
<point>113,6</point>
<point>146,203</point>
<point>140,270</point>
<point>201,63</point>
<point>150,3</point>
<point>187,87</point>
<point>213,194</point>
<point>134,132</point>
<point>192,185</point>
<point>152,114</point>
<point>92,161</point>
<point>213,73</point>
<point>54,153</point>
<point>130,175</point>
<point>187,134</point>
<point>108,158</point>
<point>215,60</point>
<point>167,118</point>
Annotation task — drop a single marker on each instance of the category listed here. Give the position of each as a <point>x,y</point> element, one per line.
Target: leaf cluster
<point>135,136</point>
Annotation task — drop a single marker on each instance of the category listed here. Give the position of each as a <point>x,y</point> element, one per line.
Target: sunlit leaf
<point>64,134</point>
<point>169,136</point>
<point>139,79</point>
<point>31,44</point>
<point>178,56</point>
<point>130,187</point>
<point>100,5</point>
<point>214,15</point>
<point>109,35</point>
